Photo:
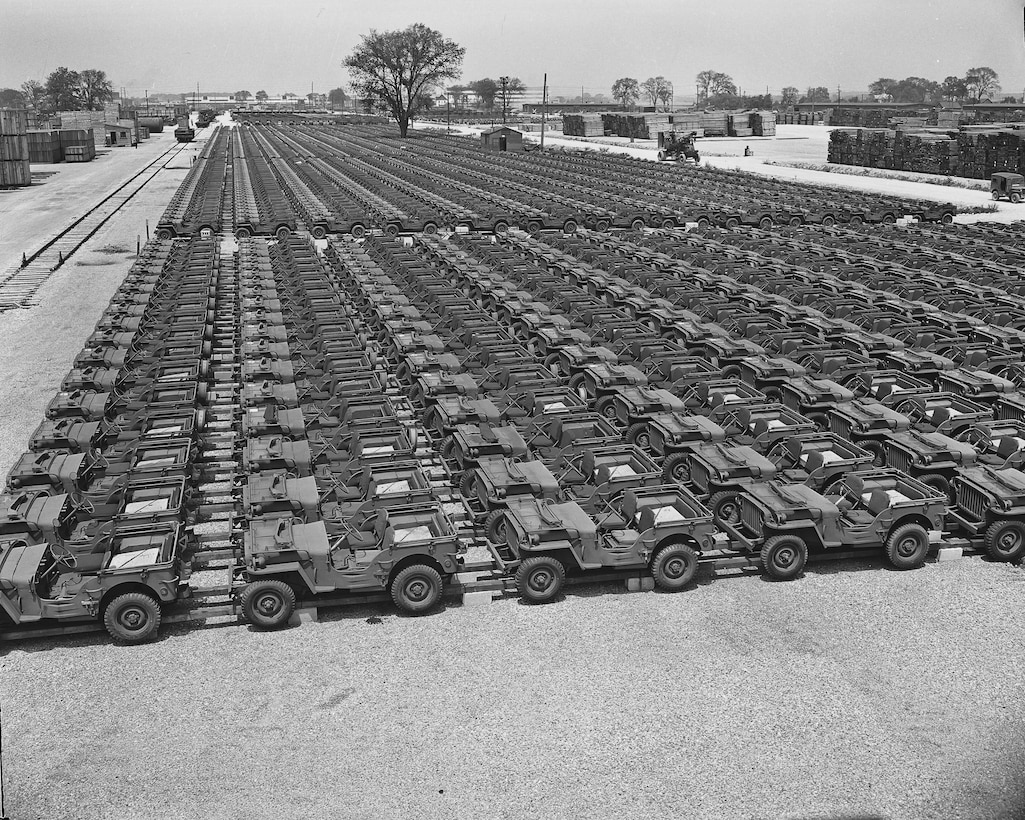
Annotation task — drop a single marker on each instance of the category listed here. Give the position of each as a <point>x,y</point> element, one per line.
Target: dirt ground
<point>855,691</point>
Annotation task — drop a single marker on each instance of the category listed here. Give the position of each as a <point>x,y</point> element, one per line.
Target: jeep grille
<point>971,501</point>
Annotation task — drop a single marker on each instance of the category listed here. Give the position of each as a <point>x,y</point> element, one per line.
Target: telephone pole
<point>544,109</point>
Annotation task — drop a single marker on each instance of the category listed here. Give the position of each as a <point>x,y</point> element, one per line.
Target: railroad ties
<point>20,283</point>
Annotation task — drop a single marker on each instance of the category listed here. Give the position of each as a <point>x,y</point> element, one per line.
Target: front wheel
<point>639,434</point>
<point>501,226</point>
<point>674,566</point>
<point>1015,198</point>
<point>540,578</point>
<point>268,604</point>
<point>677,468</point>
<point>494,527</point>
<point>416,589</point>
<point>569,226</point>
<point>637,225</point>
<point>732,223</point>
<point>661,156</point>
<point>319,232</point>
<point>282,234</point>
<point>784,556</point>
<point>132,618</point>
<point>995,195</point>
<point>724,507</point>
<point>765,223</point>
<point>908,546</point>
<point>1005,540</point>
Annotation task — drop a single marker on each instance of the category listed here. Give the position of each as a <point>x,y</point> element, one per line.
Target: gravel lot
<point>848,693</point>
<point>856,691</point>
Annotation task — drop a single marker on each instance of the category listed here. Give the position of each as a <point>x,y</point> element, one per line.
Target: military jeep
<point>661,529</point>
<point>872,509</point>
<point>992,502</point>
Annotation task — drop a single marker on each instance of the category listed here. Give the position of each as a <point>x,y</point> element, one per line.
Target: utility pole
<point>505,82</point>
<point>147,101</point>
<point>448,105</point>
<point>544,108</point>
<point>838,92</point>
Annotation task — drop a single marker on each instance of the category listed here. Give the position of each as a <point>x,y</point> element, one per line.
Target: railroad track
<point>20,283</point>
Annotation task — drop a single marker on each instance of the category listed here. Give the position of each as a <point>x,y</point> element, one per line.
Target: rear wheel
<point>540,578</point>
<point>995,195</point>
<point>416,589</point>
<point>784,556</point>
<point>569,226</point>
<point>674,566</point>
<point>319,232</point>
<point>358,231</point>
<point>282,234</point>
<point>243,233</point>
<point>765,223</point>
<point>601,225</point>
<point>828,220</point>
<point>1005,540</point>
<point>732,223</point>
<point>637,225</point>
<point>677,468</point>
<point>268,604</point>
<point>668,223</point>
<point>857,220</point>
<point>947,218</point>
<point>164,233</point>
<point>534,226</point>
<point>467,483</point>
<point>430,229</point>
<point>907,546</point>
<point>1015,198</point>
<point>661,156</point>
<point>724,507</point>
<point>133,617</point>
<point>501,226</point>
<point>889,219</point>
<point>795,222</point>
<point>639,434</point>
<point>703,222</point>
<point>392,230</point>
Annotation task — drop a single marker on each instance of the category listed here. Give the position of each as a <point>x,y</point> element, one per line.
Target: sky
<point>293,45</point>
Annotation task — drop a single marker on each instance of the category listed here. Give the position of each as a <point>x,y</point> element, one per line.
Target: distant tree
<point>63,89</point>
<point>954,89</point>
<point>819,94</point>
<point>1010,100</point>
<point>241,96</point>
<point>35,94</point>
<point>337,97</point>
<point>982,82</point>
<point>882,87</point>
<point>665,95</point>
<point>714,83</point>
<point>626,91</point>
<point>288,95</point>
<point>790,94</point>
<point>11,98</point>
<point>915,90</point>
<point>485,91</point>
<point>459,94</point>
<point>94,88</point>
<point>401,67</point>
<point>262,96</point>
<point>657,89</point>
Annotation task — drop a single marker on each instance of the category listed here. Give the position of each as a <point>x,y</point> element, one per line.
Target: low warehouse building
<point>502,139</point>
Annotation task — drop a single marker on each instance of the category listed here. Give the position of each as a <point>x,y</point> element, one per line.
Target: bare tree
<point>655,88</point>
<point>401,67</point>
<point>982,82</point>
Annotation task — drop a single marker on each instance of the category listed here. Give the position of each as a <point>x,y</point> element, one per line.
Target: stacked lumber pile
<point>802,118</point>
<point>14,153</point>
<point>44,146</point>
<point>715,123</point>
<point>763,123</point>
<point>583,125</point>
<point>971,154</point>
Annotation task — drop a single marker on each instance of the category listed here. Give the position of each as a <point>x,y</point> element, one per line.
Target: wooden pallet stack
<point>739,125</point>
<point>583,125</point>
<point>14,152</point>
<point>972,154</point>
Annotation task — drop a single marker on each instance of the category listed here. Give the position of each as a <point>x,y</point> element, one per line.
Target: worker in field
<point>747,151</point>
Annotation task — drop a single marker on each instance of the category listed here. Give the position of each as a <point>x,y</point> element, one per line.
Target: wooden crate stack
<point>586,125</point>
<point>739,125</point>
<point>44,146</point>
<point>686,122</point>
<point>14,153</point>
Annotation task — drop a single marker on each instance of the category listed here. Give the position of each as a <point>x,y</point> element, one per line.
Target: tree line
<point>63,90</point>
